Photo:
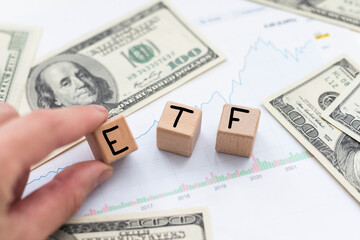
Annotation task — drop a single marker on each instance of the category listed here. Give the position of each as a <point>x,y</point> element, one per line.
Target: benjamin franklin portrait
<point>69,80</point>
<point>348,155</point>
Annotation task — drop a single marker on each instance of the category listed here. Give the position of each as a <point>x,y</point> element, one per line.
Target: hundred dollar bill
<point>186,224</point>
<point>344,112</point>
<point>299,107</point>
<point>18,45</point>
<point>123,65</point>
<point>341,12</point>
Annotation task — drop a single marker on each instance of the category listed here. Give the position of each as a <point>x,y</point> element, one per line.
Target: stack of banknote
<point>322,111</point>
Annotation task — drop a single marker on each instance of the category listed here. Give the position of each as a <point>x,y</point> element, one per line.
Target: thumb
<point>46,209</point>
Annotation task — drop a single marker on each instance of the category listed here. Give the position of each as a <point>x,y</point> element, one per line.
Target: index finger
<point>29,139</point>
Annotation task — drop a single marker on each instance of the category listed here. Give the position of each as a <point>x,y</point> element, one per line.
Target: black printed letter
<point>181,110</point>
<point>232,119</point>
<point>110,143</point>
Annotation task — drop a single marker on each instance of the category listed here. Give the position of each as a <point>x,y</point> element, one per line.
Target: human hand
<point>25,141</point>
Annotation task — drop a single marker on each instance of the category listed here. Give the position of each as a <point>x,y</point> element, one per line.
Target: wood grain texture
<point>237,130</point>
<point>112,140</point>
<point>178,136</point>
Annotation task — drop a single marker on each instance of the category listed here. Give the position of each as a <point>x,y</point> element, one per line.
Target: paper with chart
<point>281,189</point>
<point>187,224</point>
<point>124,65</point>
<point>344,112</point>
<point>299,108</point>
<point>341,12</point>
<point>18,45</point>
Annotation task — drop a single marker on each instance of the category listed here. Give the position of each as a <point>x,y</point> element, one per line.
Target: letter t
<point>181,110</point>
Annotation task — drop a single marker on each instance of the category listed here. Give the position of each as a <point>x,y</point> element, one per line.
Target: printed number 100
<point>184,58</point>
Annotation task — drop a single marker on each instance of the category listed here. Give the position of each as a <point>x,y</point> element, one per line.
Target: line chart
<point>44,176</point>
<point>294,55</point>
<point>285,53</point>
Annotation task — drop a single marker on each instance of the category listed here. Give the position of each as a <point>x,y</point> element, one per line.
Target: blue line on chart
<point>143,134</point>
<point>44,176</point>
<point>285,53</point>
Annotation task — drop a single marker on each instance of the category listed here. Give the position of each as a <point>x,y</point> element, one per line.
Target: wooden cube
<point>112,140</point>
<point>237,130</point>
<point>178,128</point>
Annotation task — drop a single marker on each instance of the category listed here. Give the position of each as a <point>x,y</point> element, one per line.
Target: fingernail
<point>99,108</point>
<point>104,176</point>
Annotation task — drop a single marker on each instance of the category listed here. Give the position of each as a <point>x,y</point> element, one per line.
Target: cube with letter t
<point>237,130</point>
<point>112,140</point>
<point>178,128</point>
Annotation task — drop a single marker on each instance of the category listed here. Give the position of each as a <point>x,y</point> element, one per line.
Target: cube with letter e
<point>237,130</point>
<point>178,128</point>
<point>112,140</point>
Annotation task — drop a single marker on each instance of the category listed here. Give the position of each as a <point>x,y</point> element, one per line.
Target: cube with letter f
<point>237,130</point>
<point>112,140</point>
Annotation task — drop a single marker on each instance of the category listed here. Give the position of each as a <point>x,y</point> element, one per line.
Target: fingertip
<point>93,172</point>
<point>104,176</point>
<point>99,112</point>
<point>90,112</point>
<point>101,109</point>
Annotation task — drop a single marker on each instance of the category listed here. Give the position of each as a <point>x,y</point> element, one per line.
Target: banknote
<point>123,65</point>
<point>186,224</point>
<point>341,12</point>
<point>299,107</point>
<point>344,112</point>
<point>18,45</point>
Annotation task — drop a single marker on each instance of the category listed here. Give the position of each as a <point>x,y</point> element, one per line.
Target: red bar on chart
<point>255,162</point>
<point>207,181</point>
<point>213,177</point>
<point>92,212</point>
